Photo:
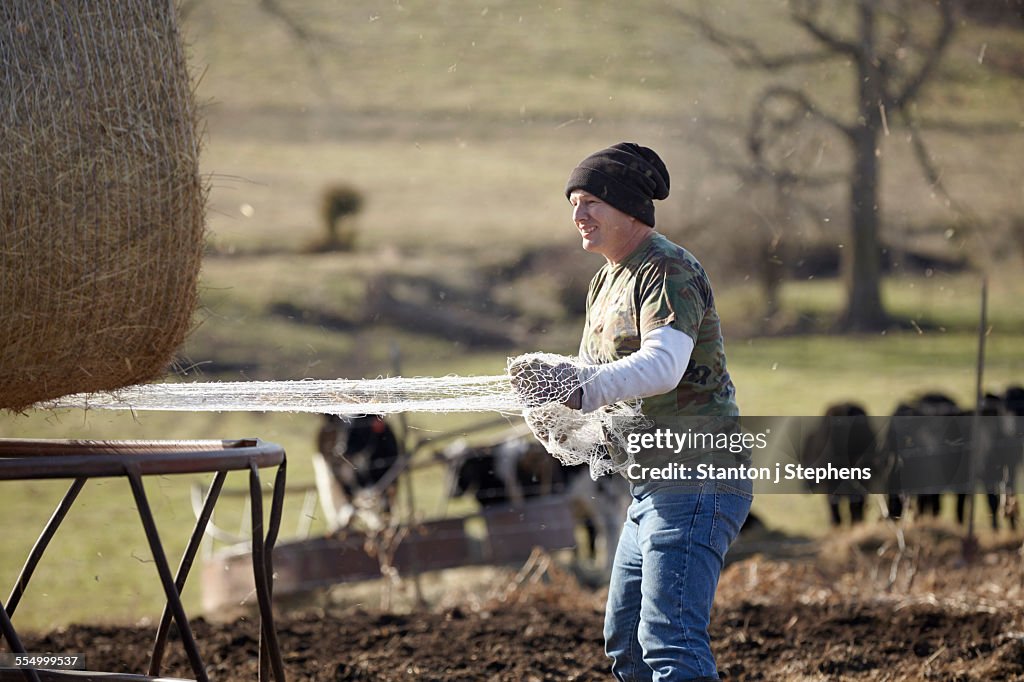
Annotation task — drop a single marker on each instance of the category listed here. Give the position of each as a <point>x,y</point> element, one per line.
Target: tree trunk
<point>861,262</point>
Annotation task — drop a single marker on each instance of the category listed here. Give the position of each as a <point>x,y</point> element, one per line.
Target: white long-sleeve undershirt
<point>656,368</point>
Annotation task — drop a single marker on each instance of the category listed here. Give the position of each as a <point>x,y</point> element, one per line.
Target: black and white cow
<point>353,455</point>
<point>517,468</point>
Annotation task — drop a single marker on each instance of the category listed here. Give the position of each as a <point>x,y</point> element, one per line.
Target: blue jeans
<point>667,564</point>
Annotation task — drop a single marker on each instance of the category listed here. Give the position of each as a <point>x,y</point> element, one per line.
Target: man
<point>652,332</point>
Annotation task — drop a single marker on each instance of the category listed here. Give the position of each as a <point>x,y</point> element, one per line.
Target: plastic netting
<point>535,386</point>
<point>545,382</point>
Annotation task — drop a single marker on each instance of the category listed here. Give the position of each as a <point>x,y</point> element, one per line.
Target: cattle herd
<point>928,450</point>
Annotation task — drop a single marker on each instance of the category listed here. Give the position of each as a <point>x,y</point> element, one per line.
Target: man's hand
<point>538,383</point>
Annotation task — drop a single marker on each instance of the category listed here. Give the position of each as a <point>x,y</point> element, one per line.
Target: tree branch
<point>310,41</point>
<point>924,160</point>
<point>913,85</point>
<point>307,38</point>
<point>767,127</point>
<point>802,13</point>
<point>934,177</point>
<point>744,52</point>
<point>301,33</point>
<point>803,102</point>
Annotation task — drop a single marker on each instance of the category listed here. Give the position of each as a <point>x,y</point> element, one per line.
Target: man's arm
<point>656,368</point>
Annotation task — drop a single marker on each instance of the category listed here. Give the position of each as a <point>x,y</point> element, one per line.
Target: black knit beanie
<point>625,175</point>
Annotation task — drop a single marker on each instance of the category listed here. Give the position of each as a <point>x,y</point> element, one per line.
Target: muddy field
<point>858,609</point>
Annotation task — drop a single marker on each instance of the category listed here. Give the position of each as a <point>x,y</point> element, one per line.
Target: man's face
<point>605,229</point>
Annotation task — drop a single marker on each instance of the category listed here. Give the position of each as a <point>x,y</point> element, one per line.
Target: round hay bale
<point>101,201</point>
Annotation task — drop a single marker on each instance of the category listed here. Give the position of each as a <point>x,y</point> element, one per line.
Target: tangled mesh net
<point>529,388</point>
<point>545,382</point>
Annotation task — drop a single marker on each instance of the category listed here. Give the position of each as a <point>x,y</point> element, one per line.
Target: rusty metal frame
<point>82,460</point>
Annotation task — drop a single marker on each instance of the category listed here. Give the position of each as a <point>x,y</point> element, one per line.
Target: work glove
<point>538,383</point>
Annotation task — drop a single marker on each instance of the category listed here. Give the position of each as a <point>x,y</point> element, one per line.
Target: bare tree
<point>893,48</point>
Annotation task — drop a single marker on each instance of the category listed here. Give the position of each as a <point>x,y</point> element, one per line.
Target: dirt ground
<point>856,609</point>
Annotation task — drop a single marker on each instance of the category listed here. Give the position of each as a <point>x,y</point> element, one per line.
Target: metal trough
<point>305,565</point>
<point>514,532</point>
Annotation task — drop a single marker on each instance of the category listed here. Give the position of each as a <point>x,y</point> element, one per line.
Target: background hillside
<point>459,122</point>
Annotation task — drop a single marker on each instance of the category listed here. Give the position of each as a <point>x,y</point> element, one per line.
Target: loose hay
<point>101,202</point>
<point>854,567</point>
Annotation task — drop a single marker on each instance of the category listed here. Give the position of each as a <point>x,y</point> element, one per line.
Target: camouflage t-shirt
<point>660,284</point>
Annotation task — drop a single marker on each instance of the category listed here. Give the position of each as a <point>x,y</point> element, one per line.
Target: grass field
<point>460,122</point>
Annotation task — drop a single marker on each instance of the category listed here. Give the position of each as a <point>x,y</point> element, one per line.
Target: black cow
<point>898,436</point>
<point>353,455</point>
<point>1013,404</point>
<point>843,437</point>
<point>936,443</point>
<point>999,450</point>
<point>928,444</point>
